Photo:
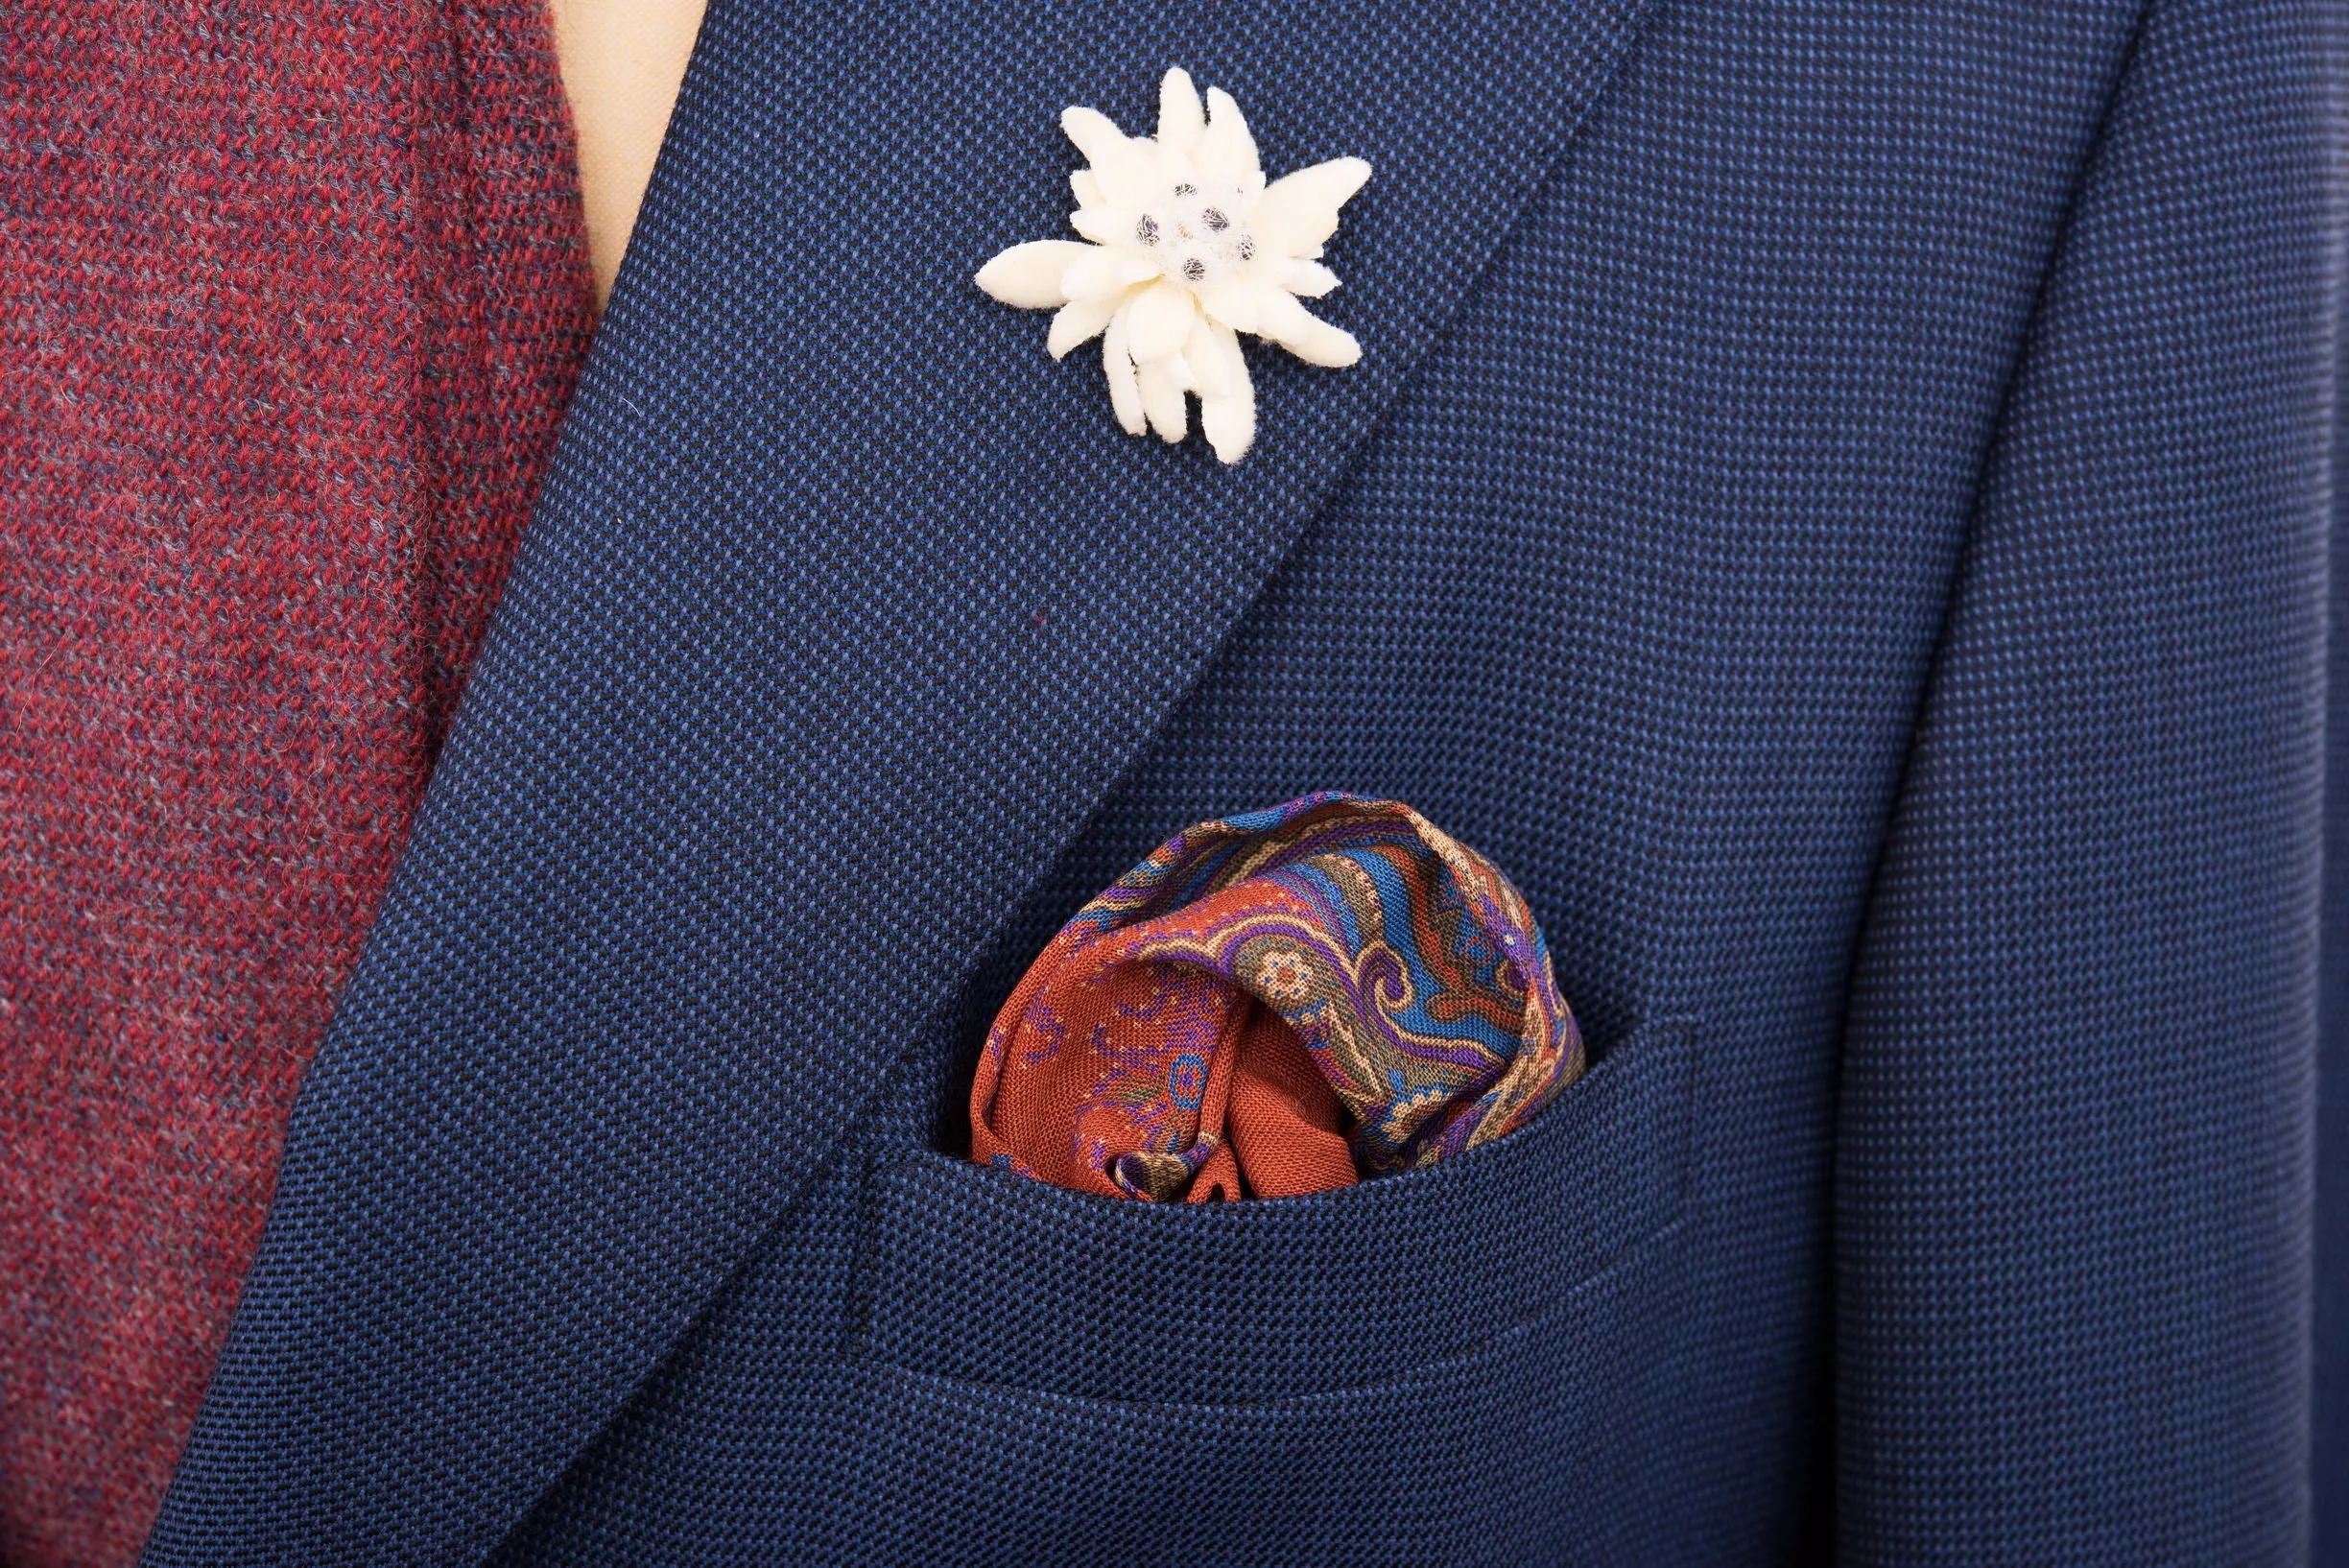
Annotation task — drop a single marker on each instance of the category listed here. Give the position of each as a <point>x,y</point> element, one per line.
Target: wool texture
<point>291,304</point>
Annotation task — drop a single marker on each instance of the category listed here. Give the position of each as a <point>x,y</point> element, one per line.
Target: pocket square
<point>1277,1003</point>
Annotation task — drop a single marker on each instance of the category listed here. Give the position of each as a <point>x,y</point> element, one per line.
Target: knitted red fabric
<point>291,299</point>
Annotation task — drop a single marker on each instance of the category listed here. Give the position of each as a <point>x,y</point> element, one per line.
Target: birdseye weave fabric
<point>292,299</point>
<point>1274,1003</point>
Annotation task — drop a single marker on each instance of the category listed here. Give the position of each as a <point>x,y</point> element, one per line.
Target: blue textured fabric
<point>2080,1051</point>
<point>2330,1448</point>
<point>1834,503</point>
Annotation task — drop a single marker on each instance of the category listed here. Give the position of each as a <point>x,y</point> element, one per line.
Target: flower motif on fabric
<point>1189,248</point>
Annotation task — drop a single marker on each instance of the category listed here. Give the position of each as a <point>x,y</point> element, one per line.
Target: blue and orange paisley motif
<point>1277,1002</point>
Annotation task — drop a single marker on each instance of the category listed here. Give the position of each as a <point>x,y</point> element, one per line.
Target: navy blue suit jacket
<point>1835,501</point>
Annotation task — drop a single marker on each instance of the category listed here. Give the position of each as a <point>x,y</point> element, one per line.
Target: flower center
<point>1198,234</point>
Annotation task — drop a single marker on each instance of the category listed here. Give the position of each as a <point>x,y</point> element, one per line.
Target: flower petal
<point>1278,316</point>
<point>1203,355</point>
<point>1234,304</point>
<point>1128,178</point>
<point>1117,368</point>
<point>1297,212</point>
<point>1310,339</point>
<point>1309,279</point>
<point>1229,417</point>
<point>1162,398</point>
<point>1102,225</point>
<point>1079,322</point>
<point>1333,346</point>
<point>1092,275</point>
<point>1230,425</point>
<point>1170,165</point>
<point>1124,170</point>
<point>1096,134</point>
<point>1227,152</point>
<point>1162,317</point>
<point>1178,369</point>
<point>1180,119</point>
<point>1029,275</point>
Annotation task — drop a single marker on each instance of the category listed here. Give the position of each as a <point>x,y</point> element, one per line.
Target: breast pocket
<point>988,1277</point>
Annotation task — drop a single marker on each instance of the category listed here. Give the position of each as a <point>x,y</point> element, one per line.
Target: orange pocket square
<point>1277,1003</point>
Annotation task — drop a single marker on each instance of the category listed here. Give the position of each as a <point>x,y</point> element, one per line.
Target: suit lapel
<point>842,607</point>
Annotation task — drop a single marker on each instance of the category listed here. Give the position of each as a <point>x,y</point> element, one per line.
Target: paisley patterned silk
<point>1276,1003</point>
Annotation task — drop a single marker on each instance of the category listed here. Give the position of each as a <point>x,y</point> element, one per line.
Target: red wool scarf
<point>290,299</point>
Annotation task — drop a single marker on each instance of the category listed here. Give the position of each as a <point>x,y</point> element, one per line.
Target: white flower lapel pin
<point>1190,248</point>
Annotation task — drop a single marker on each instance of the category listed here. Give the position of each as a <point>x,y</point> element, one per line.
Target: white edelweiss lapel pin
<point>1190,248</point>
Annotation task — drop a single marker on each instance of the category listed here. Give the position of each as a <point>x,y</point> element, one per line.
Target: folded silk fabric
<point>1274,1003</point>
